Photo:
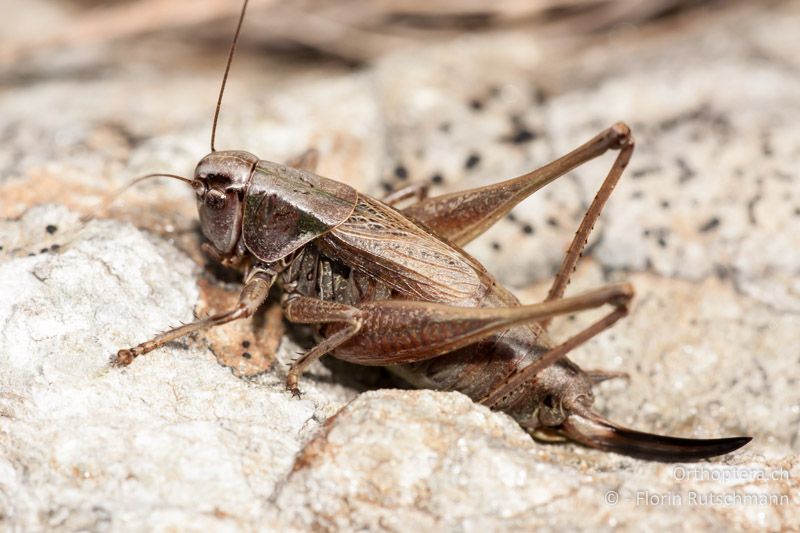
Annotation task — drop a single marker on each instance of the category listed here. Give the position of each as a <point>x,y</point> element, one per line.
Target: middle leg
<point>412,191</point>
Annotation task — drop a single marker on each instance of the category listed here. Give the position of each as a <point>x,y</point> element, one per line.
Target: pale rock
<point>704,224</point>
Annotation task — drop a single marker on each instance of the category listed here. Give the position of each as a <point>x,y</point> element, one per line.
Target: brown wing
<point>386,245</point>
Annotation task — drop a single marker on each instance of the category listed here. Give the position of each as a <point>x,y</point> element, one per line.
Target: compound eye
<point>215,199</point>
<point>199,188</point>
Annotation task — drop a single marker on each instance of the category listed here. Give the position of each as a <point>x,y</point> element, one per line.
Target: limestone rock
<point>704,224</point>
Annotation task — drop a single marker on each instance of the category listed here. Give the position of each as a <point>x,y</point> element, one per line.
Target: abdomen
<point>474,370</point>
<point>477,369</point>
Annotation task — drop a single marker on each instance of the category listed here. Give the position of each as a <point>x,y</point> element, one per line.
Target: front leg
<point>253,295</point>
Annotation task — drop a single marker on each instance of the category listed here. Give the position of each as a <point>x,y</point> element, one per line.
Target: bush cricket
<point>392,287</point>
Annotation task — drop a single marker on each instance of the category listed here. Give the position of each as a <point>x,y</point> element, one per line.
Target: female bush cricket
<point>392,287</point>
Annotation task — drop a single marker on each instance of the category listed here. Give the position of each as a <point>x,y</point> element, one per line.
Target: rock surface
<point>705,224</point>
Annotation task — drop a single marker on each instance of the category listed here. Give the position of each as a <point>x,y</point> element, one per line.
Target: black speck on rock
<point>401,172</point>
<point>710,224</point>
<point>522,135</point>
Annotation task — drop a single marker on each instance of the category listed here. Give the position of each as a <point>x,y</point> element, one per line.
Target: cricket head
<point>221,178</point>
<point>220,183</point>
<point>564,410</point>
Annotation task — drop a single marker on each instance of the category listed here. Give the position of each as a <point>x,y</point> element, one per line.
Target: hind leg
<point>464,215</point>
<point>389,332</point>
<point>626,145</point>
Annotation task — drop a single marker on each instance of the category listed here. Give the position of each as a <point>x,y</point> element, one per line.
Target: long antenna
<point>113,197</point>
<point>225,76</point>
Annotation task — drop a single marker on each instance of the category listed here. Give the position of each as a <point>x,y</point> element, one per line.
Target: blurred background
<point>351,31</point>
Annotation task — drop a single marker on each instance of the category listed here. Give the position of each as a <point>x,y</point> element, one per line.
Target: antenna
<point>225,75</point>
<point>113,197</point>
